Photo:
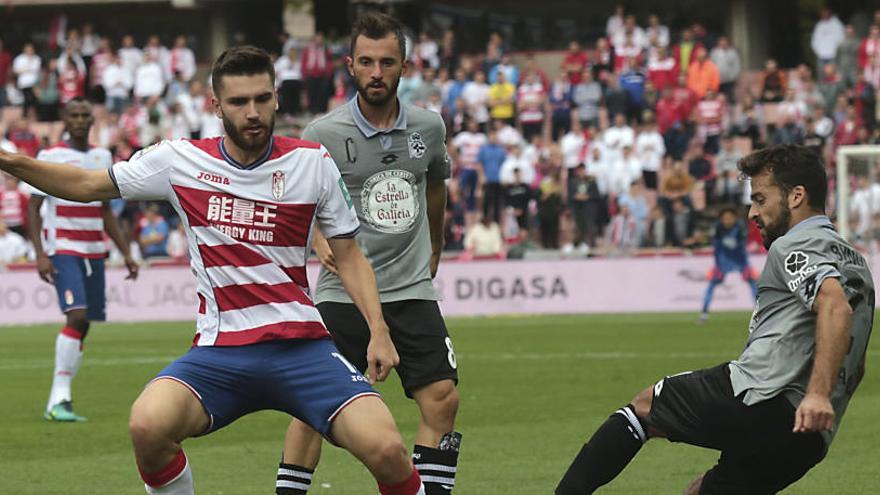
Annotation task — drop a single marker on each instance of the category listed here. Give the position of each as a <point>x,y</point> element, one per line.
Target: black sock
<point>293,479</point>
<point>609,450</point>
<point>437,467</point>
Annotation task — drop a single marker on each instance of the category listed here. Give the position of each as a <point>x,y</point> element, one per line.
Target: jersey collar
<point>814,221</point>
<point>256,163</point>
<point>367,129</point>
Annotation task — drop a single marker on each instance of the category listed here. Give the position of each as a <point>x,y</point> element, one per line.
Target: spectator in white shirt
<point>427,51</point>
<point>117,82</point>
<point>130,56</point>
<point>476,98</point>
<point>484,239</point>
<point>619,135</point>
<point>160,54</point>
<point>149,80</point>
<point>13,247</point>
<point>26,68</point>
<point>650,148</point>
<point>726,59</point>
<point>657,33</point>
<point>615,22</point>
<point>182,60</point>
<point>827,36</point>
<point>288,78</point>
<point>517,161</point>
<point>572,145</point>
<point>191,104</point>
<point>623,171</point>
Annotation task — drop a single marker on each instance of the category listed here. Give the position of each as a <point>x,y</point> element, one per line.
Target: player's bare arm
<point>45,268</point>
<point>436,198</point>
<point>111,227</point>
<point>833,321</point>
<point>60,180</point>
<point>325,254</point>
<point>360,283</point>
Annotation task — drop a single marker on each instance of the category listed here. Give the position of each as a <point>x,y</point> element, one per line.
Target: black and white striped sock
<point>293,479</point>
<point>437,467</point>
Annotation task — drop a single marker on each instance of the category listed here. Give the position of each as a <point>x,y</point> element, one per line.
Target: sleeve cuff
<point>113,179</point>
<point>349,235</point>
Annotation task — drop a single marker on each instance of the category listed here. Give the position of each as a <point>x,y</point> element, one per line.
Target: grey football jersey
<point>386,172</point>
<point>778,357</point>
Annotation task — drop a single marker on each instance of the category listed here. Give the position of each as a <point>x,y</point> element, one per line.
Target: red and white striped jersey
<point>248,229</point>
<point>70,227</point>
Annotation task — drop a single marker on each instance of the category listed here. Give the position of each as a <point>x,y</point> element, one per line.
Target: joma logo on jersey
<point>218,179</point>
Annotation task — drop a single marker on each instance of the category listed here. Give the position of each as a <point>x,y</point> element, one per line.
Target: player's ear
<point>797,197</point>
<point>349,63</point>
<point>275,93</point>
<point>216,104</point>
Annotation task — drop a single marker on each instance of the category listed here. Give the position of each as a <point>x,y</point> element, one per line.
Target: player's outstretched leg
<point>435,454</point>
<point>366,429</point>
<point>714,281</point>
<point>610,449</point>
<point>163,416</point>
<point>68,356</point>
<point>302,451</point>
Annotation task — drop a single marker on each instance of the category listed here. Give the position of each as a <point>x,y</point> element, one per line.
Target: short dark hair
<point>790,165</point>
<point>245,60</point>
<point>376,25</point>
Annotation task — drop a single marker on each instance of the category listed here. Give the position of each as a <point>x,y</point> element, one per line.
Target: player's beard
<point>777,228</point>
<point>245,142</point>
<point>378,100</point>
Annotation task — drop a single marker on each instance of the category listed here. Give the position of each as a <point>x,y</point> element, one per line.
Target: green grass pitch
<point>532,389</point>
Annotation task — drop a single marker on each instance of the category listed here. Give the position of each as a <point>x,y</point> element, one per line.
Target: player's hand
<point>46,269</point>
<point>435,263</point>
<point>814,414</point>
<point>381,355</point>
<point>325,256</point>
<point>133,268</point>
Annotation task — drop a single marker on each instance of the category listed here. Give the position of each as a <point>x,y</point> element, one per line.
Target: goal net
<point>857,199</point>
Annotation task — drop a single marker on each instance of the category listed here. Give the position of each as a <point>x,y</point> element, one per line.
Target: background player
<point>729,241</point>
<point>72,257</point>
<point>393,160</point>
<point>248,201</point>
<point>774,411</point>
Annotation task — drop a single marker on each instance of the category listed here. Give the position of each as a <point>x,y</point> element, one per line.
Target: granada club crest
<point>278,184</point>
<point>417,147</point>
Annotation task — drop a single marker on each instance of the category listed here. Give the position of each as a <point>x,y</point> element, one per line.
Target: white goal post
<point>844,154</point>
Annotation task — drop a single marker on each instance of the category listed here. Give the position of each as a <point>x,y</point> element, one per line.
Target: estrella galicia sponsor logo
<point>795,262</point>
<point>417,147</point>
<point>804,274</point>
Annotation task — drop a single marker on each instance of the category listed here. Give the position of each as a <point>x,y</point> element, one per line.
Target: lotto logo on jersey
<point>246,220</point>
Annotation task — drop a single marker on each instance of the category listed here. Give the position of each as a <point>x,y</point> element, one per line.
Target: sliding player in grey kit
<point>393,161</point>
<point>774,411</point>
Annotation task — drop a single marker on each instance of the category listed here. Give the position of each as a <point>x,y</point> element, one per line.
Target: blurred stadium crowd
<point>626,145</point>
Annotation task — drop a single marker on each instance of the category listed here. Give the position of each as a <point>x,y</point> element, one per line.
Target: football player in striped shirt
<point>68,239</point>
<point>248,201</point>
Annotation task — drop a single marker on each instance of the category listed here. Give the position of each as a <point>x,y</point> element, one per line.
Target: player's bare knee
<point>79,321</point>
<point>642,402</point>
<point>389,452</point>
<point>439,403</point>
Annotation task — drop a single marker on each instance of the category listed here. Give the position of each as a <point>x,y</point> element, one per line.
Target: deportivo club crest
<point>417,147</point>
<point>278,184</point>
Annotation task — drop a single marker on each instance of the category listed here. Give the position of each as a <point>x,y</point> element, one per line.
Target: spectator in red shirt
<point>667,111</point>
<point>662,69</point>
<point>317,70</point>
<point>575,62</point>
<point>5,67</point>
<point>847,132</point>
<point>685,97</point>
<point>21,136</point>
<point>773,84</point>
